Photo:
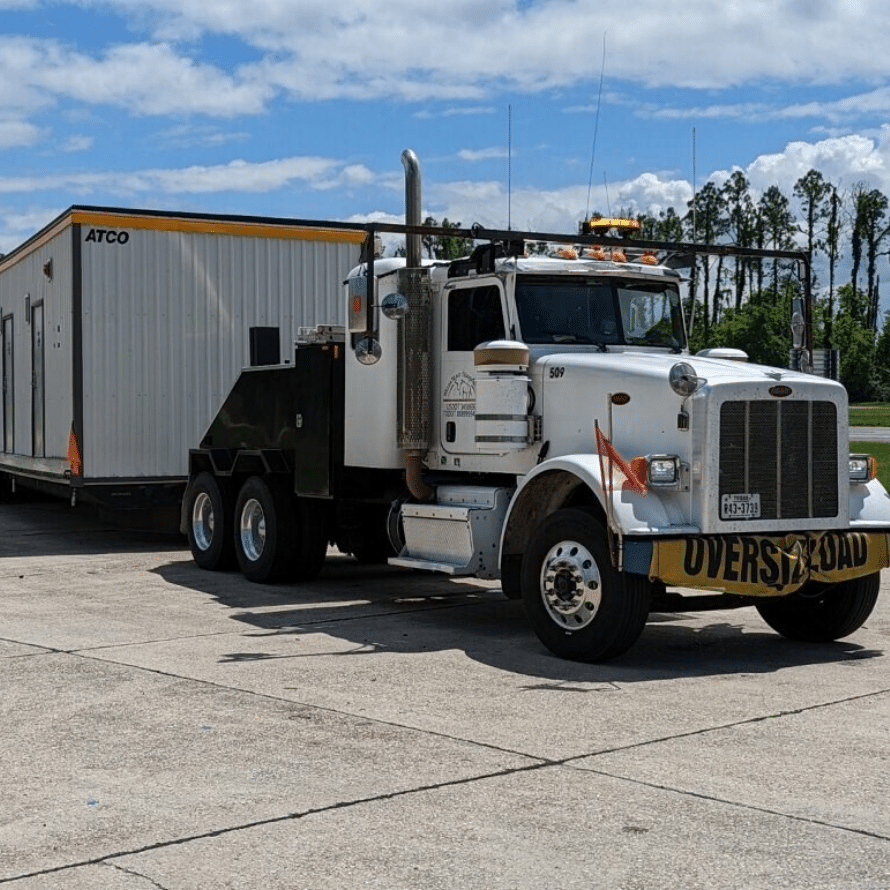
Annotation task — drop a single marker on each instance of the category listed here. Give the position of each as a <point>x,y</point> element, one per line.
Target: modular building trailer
<point>123,331</point>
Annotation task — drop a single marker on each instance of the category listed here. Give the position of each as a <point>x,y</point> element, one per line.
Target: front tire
<point>209,510</point>
<point>578,605</point>
<point>825,613</point>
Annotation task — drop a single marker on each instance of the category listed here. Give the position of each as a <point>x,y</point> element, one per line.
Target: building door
<point>38,383</point>
<point>8,388</point>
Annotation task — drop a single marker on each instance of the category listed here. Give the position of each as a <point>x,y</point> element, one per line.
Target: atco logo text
<point>107,236</point>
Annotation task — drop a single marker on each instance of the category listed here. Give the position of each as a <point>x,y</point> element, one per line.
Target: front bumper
<point>758,565</point>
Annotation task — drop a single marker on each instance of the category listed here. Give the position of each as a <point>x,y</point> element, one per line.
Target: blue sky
<point>301,108</point>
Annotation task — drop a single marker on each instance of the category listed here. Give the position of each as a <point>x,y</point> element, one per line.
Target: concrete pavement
<point>164,727</point>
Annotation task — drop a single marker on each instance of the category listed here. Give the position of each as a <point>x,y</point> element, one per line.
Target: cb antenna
<point>694,230</point>
<point>596,125</point>
<point>694,239</point>
<point>509,165</point>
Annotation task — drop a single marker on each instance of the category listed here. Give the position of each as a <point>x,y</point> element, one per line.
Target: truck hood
<point>656,364</point>
<point>577,388</point>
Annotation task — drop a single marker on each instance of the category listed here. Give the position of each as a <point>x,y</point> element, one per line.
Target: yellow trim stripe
<point>217,227</point>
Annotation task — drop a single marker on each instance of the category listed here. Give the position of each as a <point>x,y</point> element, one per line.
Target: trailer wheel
<point>577,604</point>
<point>275,538</point>
<point>825,613</point>
<point>209,510</point>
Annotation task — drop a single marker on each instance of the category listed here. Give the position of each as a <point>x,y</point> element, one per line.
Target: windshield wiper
<point>566,337</point>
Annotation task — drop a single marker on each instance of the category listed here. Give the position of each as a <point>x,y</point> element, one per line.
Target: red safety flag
<point>74,457</point>
<point>634,473</point>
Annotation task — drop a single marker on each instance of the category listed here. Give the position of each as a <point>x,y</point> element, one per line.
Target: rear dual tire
<point>209,509</point>
<point>275,537</point>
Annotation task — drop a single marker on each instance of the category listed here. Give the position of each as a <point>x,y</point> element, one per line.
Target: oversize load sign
<point>768,565</point>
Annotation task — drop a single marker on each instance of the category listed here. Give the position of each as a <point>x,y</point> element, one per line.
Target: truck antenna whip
<point>509,165</point>
<point>596,125</point>
<point>693,187</point>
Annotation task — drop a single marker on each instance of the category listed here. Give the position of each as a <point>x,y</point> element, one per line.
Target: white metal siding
<point>25,278</point>
<point>165,333</point>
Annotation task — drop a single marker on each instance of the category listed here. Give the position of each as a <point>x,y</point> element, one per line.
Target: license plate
<point>740,506</point>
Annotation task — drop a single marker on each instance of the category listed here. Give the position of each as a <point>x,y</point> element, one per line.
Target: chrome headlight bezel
<point>663,470</point>
<point>862,469</point>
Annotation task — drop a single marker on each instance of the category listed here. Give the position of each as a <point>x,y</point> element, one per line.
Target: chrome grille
<point>784,451</point>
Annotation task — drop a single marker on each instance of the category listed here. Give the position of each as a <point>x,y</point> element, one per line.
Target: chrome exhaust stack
<point>415,362</point>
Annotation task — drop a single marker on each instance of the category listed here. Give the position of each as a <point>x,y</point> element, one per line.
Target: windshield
<point>602,311</point>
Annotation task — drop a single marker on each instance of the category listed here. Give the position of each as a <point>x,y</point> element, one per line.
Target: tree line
<point>745,302</point>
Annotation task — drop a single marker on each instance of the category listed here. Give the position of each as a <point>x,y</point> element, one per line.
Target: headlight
<point>863,468</point>
<point>664,469</point>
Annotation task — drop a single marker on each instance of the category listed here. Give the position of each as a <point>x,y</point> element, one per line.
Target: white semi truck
<point>539,419</point>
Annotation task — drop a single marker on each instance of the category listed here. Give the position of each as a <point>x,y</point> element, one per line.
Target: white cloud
<point>235,176</point>
<point>143,78</point>
<point>18,134</point>
<point>408,49</point>
<point>843,160</point>
<point>460,111</point>
<point>77,143</point>
<point>191,135</point>
<point>482,154</point>
<point>463,51</point>
<point>17,225</point>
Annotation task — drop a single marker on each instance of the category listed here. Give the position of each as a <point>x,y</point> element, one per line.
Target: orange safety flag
<point>74,457</point>
<point>633,472</point>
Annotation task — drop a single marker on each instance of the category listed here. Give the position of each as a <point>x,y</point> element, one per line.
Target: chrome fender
<point>869,505</point>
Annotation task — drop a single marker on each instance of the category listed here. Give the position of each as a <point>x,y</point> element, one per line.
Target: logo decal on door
<point>460,396</point>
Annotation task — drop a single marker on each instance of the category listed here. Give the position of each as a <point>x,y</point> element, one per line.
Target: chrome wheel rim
<point>571,587</point>
<point>202,521</point>
<point>253,529</point>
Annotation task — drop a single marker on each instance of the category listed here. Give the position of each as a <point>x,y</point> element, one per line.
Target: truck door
<point>38,383</point>
<point>8,388</point>
<point>473,313</point>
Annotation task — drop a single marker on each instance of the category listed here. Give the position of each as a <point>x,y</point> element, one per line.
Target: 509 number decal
<point>557,372</point>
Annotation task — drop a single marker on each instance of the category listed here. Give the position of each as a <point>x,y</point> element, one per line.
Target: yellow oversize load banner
<point>768,565</point>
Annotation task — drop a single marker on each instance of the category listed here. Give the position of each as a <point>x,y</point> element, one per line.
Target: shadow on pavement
<point>382,609</point>
<point>39,525</point>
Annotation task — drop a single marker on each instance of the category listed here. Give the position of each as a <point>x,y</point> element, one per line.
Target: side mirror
<point>394,306</point>
<point>798,324</point>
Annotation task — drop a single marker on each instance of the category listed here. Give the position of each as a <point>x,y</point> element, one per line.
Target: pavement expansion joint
<point>109,859</point>
<point>136,874</point>
<point>711,798</point>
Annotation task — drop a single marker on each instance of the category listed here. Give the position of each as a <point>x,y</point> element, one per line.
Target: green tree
<point>429,241</point>
<point>856,343</point>
<point>452,247</point>
<point>814,195</point>
<point>444,247</point>
<point>777,225</point>
<point>882,362</point>
<point>832,249</point>
<point>740,215</point>
<point>869,209</point>
<point>876,230</point>
<point>705,221</point>
<point>761,326</point>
